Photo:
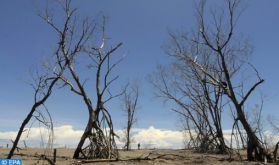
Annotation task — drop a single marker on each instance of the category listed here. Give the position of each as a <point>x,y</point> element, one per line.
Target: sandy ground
<point>32,156</point>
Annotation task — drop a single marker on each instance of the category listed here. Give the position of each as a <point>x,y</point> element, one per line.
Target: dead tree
<point>130,101</point>
<point>216,36</point>
<point>43,86</point>
<point>86,40</point>
<point>198,104</point>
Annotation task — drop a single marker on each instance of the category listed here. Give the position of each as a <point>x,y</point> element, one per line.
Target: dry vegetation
<point>155,157</point>
<point>204,80</point>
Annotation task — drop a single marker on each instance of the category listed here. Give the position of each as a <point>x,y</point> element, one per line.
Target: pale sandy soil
<point>31,156</point>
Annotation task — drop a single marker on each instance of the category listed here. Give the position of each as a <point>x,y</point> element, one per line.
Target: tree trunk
<point>30,114</point>
<point>255,150</point>
<point>85,134</point>
<point>223,149</point>
<point>128,139</point>
<point>275,152</point>
<point>21,129</point>
<point>101,145</point>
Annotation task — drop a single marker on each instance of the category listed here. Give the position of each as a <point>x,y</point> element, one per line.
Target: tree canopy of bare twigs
<point>86,39</point>
<point>198,104</point>
<point>214,56</point>
<point>82,43</point>
<point>219,39</point>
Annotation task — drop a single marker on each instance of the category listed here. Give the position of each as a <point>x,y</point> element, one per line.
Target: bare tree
<point>130,100</point>
<point>43,86</point>
<point>86,40</point>
<point>214,58</point>
<point>216,36</point>
<point>198,104</point>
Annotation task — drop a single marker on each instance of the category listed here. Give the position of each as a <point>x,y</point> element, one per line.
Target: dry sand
<point>32,156</point>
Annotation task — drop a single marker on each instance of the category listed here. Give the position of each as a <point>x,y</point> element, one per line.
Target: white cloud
<point>63,135</point>
<point>151,137</point>
<point>155,138</point>
<point>66,135</point>
<point>7,135</point>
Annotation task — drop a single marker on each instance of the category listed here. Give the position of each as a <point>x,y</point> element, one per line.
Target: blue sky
<point>142,26</point>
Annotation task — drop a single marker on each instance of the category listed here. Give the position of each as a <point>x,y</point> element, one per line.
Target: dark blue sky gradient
<point>142,26</point>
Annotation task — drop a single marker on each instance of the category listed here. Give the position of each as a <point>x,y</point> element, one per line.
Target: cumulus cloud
<point>63,135</point>
<point>151,137</point>
<point>66,135</point>
<point>154,138</point>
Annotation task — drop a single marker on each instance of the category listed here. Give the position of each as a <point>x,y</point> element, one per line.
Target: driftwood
<point>150,156</point>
